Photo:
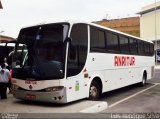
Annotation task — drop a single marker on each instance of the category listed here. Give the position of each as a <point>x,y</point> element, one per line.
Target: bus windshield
<point>39,52</point>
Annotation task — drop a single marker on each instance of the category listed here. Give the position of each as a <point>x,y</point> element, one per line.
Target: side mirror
<point>69,39</point>
<point>72,49</point>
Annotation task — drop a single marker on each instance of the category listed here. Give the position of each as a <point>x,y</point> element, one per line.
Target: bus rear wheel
<point>144,79</point>
<point>94,91</point>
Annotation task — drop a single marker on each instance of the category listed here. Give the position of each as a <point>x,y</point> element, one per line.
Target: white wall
<point>147,26</point>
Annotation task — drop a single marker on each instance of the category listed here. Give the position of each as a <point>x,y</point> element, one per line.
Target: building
<point>4,39</point>
<point>129,25</point>
<point>149,23</point>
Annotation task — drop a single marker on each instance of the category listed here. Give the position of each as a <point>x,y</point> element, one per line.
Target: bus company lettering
<point>124,61</point>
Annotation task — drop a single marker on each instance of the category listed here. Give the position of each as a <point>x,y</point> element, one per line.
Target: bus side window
<point>112,43</point>
<point>147,49</point>
<point>133,46</point>
<point>141,48</point>
<point>151,49</point>
<point>124,44</point>
<point>97,40</point>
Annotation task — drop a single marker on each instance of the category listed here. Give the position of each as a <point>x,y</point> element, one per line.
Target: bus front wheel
<point>94,91</point>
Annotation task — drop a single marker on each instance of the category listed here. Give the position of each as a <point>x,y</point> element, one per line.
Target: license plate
<point>31,97</point>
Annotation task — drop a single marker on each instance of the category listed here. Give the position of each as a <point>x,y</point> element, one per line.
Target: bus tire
<point>94,91</point>
<point>144,79</point>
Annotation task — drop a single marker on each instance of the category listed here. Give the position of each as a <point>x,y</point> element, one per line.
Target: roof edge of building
<point>149,8</point>
<point>117,19</point>
<point>3,36</point>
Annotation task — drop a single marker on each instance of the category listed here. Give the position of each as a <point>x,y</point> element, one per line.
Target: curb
<point>156,68</point>
<point>95,108</point>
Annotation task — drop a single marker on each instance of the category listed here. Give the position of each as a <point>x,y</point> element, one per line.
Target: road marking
<point>95,108</point>
<point>114,104</point>
<point>104,105</point>
<point>155,83</point>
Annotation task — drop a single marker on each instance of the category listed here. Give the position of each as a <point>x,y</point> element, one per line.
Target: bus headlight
<point>56,88</point>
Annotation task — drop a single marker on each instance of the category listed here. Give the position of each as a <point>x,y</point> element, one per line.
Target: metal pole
<point>156,47</point>
<point>0,35</point>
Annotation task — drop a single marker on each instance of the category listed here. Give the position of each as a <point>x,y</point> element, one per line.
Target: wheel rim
<point>93,91</point>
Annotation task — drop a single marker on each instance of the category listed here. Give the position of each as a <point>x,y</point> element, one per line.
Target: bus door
<point>77,55</point>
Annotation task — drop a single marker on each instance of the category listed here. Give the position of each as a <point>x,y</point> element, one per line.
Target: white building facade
<point>150,23</point>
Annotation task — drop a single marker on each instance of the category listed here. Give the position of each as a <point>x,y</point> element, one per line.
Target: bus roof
<point>96,25</point>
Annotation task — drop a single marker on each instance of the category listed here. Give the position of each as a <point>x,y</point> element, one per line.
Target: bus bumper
<point>53,97</point>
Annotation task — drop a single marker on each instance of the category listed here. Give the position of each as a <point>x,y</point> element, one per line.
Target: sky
<point>17,14</point>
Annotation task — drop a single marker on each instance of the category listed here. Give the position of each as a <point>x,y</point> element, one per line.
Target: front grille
<point>43,90</point>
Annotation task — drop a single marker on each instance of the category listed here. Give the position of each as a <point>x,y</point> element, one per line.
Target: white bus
<point>69,61</point>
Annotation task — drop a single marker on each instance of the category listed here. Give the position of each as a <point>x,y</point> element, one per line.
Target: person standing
<point>10,80</point>
<point>4,78</point>
<point>5,62</point>
<point>8,67</point>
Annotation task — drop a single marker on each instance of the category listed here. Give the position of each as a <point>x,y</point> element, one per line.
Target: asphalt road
<point>131,100</point>
<point>136,101</point>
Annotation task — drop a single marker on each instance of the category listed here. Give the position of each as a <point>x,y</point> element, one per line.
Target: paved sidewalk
<point>157,67</point>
